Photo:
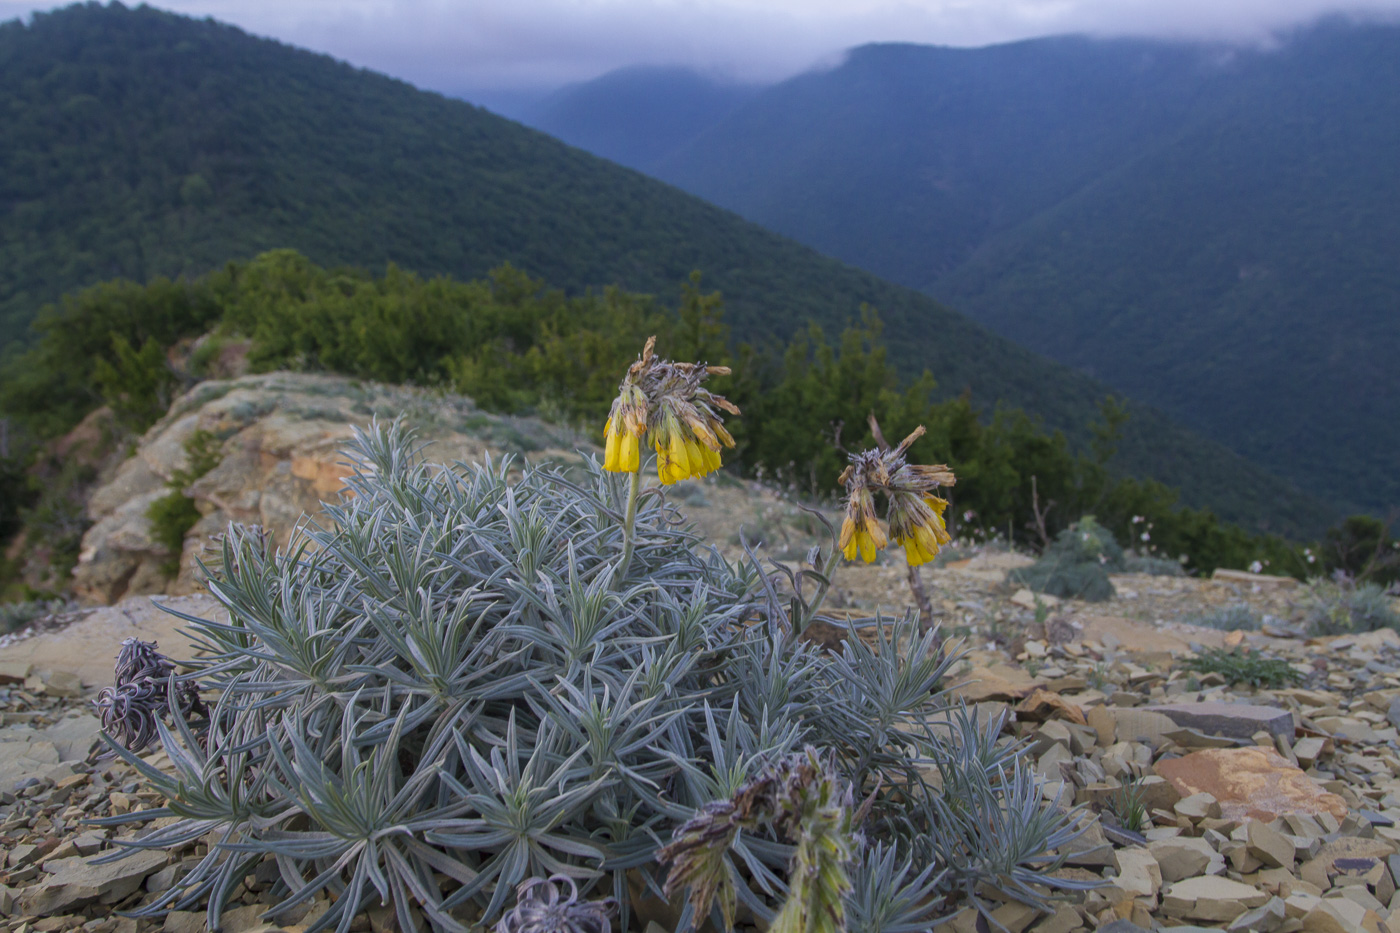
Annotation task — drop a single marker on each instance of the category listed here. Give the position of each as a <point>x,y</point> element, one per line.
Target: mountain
<point>1207,229</point>
<point>139,143</point>
<point>636,116</point>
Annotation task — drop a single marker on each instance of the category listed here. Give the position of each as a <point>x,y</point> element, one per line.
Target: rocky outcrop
<point>279,439</point>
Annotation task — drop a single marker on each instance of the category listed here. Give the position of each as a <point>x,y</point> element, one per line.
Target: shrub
<point>1075,565</point>
<point>1340,608</point>
<point>174,514</point>
<point>1156,566</point>
<point>15,616</point>
<point>458,686</point>
<point>1240,665</point>
<point>1229,619</point>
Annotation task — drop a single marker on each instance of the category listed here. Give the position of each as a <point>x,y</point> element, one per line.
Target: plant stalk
<point>629,525</point>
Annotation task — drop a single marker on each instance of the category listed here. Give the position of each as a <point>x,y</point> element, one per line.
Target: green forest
<point>1211,234</point>
<point>141,145</point>
<point>516,345</point>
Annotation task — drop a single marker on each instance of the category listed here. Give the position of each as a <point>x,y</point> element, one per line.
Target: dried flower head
<point>539,908</point>
<point>668,401</point>
<point>141,695</point>
<point>804,800</point>
<point>915,515</point>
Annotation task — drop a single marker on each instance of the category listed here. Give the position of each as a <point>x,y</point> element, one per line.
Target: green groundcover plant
<point>499,693</point>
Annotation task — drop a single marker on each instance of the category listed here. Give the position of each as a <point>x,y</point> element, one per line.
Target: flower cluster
<point>915,515</point>
<point>142,693</point>
<point>667,402</point>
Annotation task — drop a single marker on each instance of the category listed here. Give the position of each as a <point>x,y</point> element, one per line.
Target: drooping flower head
<point>915,514</point>
<point>667,402</point>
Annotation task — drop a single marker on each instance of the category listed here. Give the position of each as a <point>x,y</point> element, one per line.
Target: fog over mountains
<point>1210,229</point>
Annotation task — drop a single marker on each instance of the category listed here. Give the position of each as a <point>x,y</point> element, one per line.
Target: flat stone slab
<point>1232,720</point>
<point>88,647</point>
<point>74,882</point>
<point>1263,581</point>
<point>1250,783</point>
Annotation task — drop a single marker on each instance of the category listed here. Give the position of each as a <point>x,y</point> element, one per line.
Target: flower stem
<point>629,525</point>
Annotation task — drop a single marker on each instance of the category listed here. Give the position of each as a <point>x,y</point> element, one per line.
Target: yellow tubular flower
<point>621,454</point>
<point>623,430</point>
<point>860,531</point>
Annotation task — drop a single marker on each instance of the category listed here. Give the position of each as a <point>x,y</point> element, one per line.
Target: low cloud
<point>504,45</point>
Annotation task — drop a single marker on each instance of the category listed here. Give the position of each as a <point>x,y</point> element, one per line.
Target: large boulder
<point>279,439</point>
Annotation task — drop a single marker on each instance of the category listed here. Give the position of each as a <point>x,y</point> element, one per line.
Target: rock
<point>185,921</point>
<point>1233,720</point>
<point>1263,919</point>
<point>75,736</point>
<point>63,684</point>
<point>15,672</point>
<point>1103,722</point>
<point>1090,849</point>
<point>1142,725</point>
<point>1324,864</point>
<point>1269,846</point>
<point>1185,857</point>
<point>1337,915</point>
<point>24,752</point>
<point>101,632</point>
<point>995,682</point>
<point>75,882</point>
<point>1138,873</point>
<point>1393,713</point>
<point>1065,919</point>
<point>1251,580</point>
<point>1255,783</point>
<point>1309,750</point>
<point>1015,916</point>
<point>1026,599</point>
<point>1211,898</point>
<point>1197,807</point>
<point>280,458</point>
<point>1041,705</point>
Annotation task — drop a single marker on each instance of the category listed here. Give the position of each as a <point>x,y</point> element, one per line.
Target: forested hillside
<point>139,143</point>
<point>1207,229</point>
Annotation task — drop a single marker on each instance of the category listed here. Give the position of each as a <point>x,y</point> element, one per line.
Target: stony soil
<point>1260,809</point>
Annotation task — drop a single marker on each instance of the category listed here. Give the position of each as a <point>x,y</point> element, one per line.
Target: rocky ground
<point>1211,804</point>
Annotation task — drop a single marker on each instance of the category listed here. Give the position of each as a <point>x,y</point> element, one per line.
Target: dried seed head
<point>667,401</point>
<point>540,908</point>
<point>915,516</point>
<point>141,695</point>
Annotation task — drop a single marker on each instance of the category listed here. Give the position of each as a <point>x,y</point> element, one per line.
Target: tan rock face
<point>1255,783</point>
<point>281,437</point>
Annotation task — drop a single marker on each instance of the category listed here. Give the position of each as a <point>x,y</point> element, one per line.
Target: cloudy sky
<point>462,46</point>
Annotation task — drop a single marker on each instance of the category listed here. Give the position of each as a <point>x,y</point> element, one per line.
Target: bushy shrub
<point>1340,608</point>
<point>15,616</point>
<point>1242,666</point>
<point>174,514</point>
<point>1075,565</point>
<point>1229,619</point>
<point>1156,566</point>
<point>458,685</point>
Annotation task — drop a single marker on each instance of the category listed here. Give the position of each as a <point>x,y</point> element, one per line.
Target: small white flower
<point>1256,567</point>
<point>1145,536</point>
<point>1311,559</point>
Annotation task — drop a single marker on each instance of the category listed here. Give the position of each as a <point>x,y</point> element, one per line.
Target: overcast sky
<point>458,46</point>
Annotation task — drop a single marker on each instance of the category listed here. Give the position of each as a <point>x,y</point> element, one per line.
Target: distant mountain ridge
<point>139,143</point>
<point>1208,229</point>
<point>636,116</point>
